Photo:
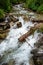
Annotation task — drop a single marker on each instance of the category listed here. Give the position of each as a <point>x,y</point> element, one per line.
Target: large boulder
<point>37,52</point>
<point>39,43</point>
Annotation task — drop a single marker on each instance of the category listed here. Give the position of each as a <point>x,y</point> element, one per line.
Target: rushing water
<point>11,48</point>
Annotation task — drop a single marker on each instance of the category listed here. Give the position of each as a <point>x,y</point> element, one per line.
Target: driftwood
<point>24,36</point>
<point>32,30</point>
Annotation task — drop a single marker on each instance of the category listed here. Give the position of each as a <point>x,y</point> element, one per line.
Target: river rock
<point>39,43</point>
<point>12,18</point>
<point>34,51</point>
<point>4,29</point>
<point>2,20</point>
<point>38,52</point>
<point>37,20</point>
<point>19,24</point>
<point>31,14</point>
<point>10,62</point>
<point>5,64</point>
<point>4,26</point>
<point>26,18</point>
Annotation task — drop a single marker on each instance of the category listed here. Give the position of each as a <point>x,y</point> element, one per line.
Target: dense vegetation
<point>35,5</point>
<point>6,5</point>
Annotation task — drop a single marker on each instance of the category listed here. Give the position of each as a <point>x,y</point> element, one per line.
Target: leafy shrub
<point>2,14</point>
<point>5,4</point>
<point>40,9</point>
<point>35,5</point>
<point>16,1</point>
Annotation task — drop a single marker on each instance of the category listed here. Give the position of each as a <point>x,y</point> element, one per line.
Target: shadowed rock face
<point>1,20</point>
<point>38,21</point>
<point>38,52</point>
<point>4,28</point>
<point>39,43</point>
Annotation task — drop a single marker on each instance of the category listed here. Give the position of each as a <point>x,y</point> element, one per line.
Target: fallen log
<point>24,36</point>
<point>32,30</point>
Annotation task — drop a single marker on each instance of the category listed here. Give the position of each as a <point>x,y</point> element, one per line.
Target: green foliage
<point>2,14</point>
<point>35,5</point>
<point>13,1</point>
<point>17,1</point>
<point>5,4</point>
<point>40,9</point>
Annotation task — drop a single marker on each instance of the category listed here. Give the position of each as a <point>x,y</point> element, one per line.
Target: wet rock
<point>12,18</point>
<point>38,52</point>
<point>26,18</point>
<point>34,51</point>
<point>31,31</point>
<point>19,24</point>
<point>2,20</point>
<point>4,26</point>
<point>4,29</point>
<point>0,56</point>
<point>22,64</point>
<point>37,60</point>
<point>3,36</point>
<point>24,36</point>
<point>31,14</point>
<point>39,43</point>
<point>7,26</point>
<point>5,64</point>
<point>11,62</point>
<point>9,19</point>
<point>37,20</point>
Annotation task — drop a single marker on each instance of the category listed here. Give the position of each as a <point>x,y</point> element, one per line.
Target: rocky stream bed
<point>14,52</point>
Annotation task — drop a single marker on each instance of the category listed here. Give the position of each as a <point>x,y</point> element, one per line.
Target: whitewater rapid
<point>12,49</point>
